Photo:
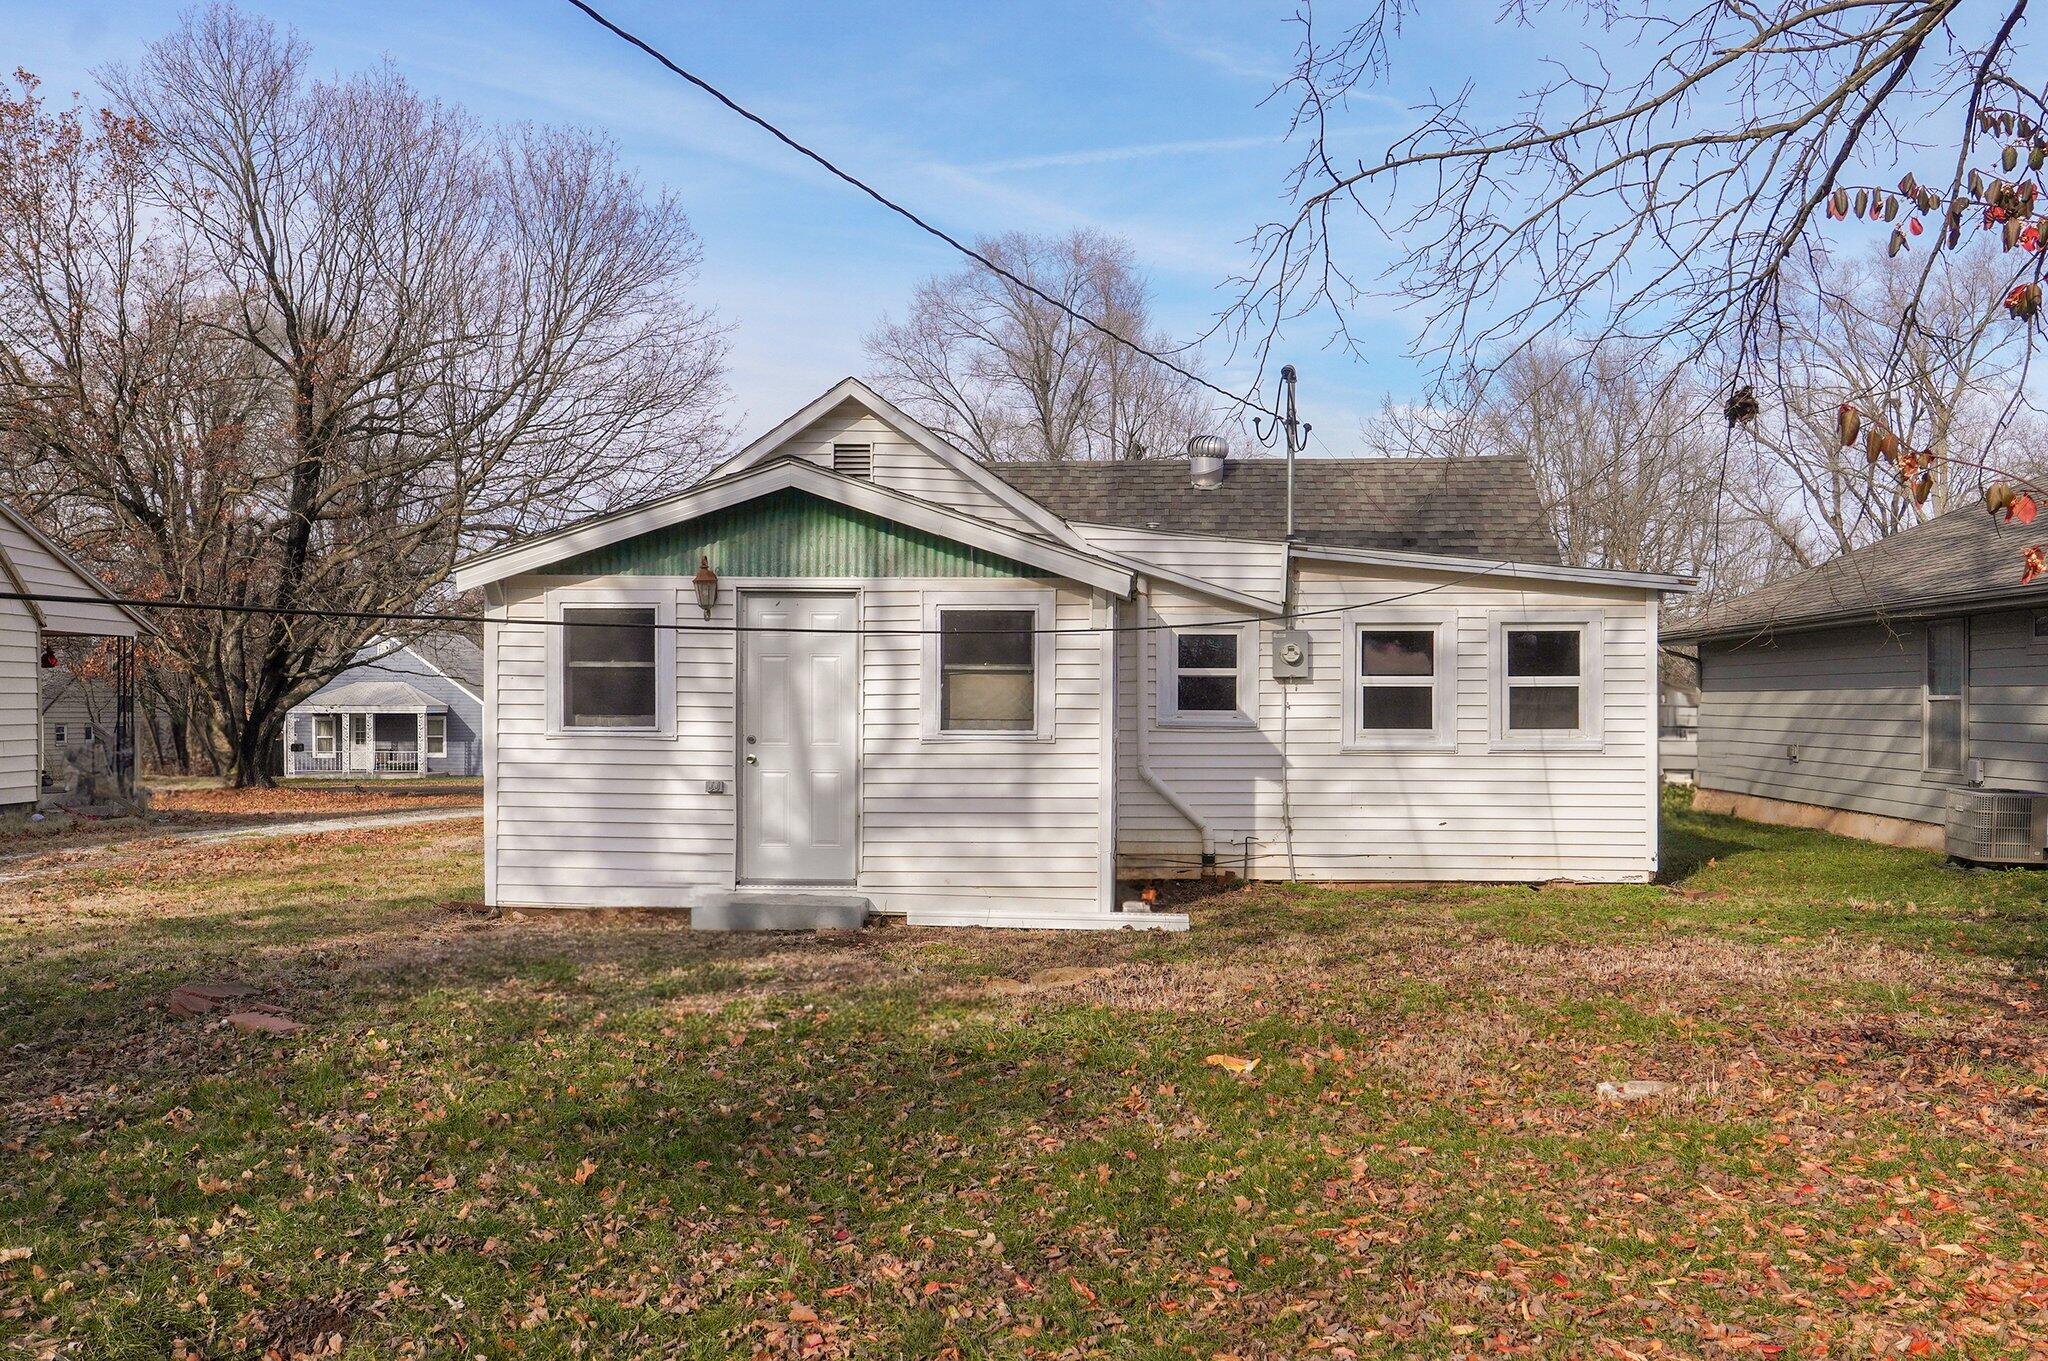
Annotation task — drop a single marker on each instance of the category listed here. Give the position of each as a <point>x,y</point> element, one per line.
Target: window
<point>1207,675</point>
<point>1546,680</point>
<point>60,732</point>
<point>359,730</point>
<point>853,460</point>
<point>987,664</point>
<point>326,733</point>
<point>85,732</point>
<point>1948,679</point>
<point>437,734</point>
<point>1401,676</point>
<point>987,671</point>
<point>608,672</point>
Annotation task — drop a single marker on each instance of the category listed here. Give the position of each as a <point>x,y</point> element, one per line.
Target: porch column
<point>419,743</point>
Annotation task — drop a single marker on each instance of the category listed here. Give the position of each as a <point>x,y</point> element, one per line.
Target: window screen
<point>608,667</point>
<point>1205,675</point>
<point>987,671</point>
<point>1544,667</point>
<point>1948,676</point>
<point>1397,680</point>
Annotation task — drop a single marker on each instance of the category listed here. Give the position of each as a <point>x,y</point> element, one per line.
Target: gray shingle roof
<point>456,655</point>
<point>1463,507</point>
<point>386,694</point>
<point>1958,560</point>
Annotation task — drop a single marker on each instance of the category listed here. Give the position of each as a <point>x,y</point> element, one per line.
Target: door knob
<point>753,760</point>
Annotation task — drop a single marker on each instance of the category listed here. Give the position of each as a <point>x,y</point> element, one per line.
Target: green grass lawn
<point>518,1138</point>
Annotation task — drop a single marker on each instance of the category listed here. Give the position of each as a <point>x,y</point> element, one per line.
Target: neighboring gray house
<point>1858,695</point>
<point>413,708</point>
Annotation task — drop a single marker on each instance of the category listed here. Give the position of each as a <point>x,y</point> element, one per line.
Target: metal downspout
<point>1150,616</point>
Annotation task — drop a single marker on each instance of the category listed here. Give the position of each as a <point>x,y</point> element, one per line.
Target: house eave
<point>1056,559</point>
<point>1664,582</point>
<point>1814,623</point>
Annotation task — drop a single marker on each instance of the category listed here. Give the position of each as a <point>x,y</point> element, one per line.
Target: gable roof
<point>854,390</point>
<point>1464,507</point>
<point>1055,558</point>
<point>1961,560</point>
<point>59,574</point>
<point>455,654</point>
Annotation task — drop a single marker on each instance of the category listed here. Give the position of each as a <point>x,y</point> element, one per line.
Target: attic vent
<point>853,460</point>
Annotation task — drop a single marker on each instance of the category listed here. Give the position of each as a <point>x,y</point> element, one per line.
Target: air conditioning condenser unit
<point>1998,826</point>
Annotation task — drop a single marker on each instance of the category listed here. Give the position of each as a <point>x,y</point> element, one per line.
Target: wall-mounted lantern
<point>706,582</point>
<point>49,656</point>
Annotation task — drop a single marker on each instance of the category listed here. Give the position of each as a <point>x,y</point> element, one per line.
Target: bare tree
<point>296,345</point>
<point>1947,388</point>
<point>1660,190</point>
<point>1629,458</point>
<point>1007,375</point>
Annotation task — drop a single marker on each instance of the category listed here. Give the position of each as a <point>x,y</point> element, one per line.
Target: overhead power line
<point>1234,398</point>
<point>415,617</point>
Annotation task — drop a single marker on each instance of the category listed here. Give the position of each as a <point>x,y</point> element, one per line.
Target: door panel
<point>799,726</point>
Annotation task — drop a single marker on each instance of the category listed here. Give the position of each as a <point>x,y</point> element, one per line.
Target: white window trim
<point>328,743</point>
<point>1589,735</point>
<point>437,745</point>
<point>57,732</point>
<point>1042,605</point>
<point>1961,699</point>
<point>1167,712</point>
<point>662,600</point>
<point>1443,734</point>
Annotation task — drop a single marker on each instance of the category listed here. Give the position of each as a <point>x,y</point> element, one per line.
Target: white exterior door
<point>799,726</point>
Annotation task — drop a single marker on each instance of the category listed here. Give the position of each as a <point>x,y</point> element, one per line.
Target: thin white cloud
<point>1137,152</point>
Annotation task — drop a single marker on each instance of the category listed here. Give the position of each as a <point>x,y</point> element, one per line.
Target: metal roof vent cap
<point>1207,455</point>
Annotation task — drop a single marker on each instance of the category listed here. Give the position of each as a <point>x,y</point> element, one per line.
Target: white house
<point>49,595</point>
<point>985,694</point>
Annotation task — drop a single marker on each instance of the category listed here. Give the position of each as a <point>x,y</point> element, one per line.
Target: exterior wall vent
<point>1997,826</point>
<point>853,460</point>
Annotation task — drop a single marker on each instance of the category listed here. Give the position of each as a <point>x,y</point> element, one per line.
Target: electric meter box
<point>1291,654</point>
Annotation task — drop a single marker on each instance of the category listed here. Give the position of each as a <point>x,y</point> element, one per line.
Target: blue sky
<point>1142,118</point>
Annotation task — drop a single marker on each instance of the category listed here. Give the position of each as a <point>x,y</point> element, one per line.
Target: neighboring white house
<point>64,600</point>
<point>976,694</point>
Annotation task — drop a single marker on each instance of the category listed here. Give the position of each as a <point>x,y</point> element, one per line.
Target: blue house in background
<point>403,708</point>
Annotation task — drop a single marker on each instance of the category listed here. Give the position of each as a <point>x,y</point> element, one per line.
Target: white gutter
<point>1148,615</point>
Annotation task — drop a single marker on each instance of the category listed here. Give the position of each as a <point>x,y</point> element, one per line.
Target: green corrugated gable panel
<point>792,534</point>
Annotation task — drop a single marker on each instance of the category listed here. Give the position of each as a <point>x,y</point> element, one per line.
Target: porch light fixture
<point>706,582</point>
<point>49,656</point>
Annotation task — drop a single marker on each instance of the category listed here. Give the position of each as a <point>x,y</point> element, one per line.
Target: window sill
<point>1219,720</point>
<point>1421,742</point>
<point>988,735</point>
<point>1545,745</point>
<point>640,734</point>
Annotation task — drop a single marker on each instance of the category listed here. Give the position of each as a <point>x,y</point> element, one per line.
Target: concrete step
<point>766,911</point>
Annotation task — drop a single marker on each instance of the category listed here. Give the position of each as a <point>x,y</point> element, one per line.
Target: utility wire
<point>405,617</point>
<point>1236,399</point>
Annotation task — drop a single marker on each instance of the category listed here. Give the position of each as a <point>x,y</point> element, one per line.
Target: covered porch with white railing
<point>367,728</point>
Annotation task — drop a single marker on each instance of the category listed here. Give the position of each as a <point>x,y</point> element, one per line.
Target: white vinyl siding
<point>20,701</point>
<point>970,828</point>
<point>45,575</point>
<point>899,463</point>
<point>1248,567</point>
<point>1462,811</point>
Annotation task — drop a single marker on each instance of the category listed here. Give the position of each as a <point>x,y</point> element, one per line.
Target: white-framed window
<point>58,730</point>
<point>1546,686</point>
<point>1400,679</point>
<point>988,665</point>
<point>326,734</point>
<point>359,730</point>
<point>1208,675</point>
<point>437,734</point>
<point>1946,743</point>
<point>612,662</point>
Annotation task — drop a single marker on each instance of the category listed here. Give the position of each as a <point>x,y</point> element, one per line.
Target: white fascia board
<point>1090,568</point>
<point>1538,571</point>
<point>854,390</point>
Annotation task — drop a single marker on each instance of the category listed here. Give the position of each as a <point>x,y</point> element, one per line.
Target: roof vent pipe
<point>1206,456</point>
